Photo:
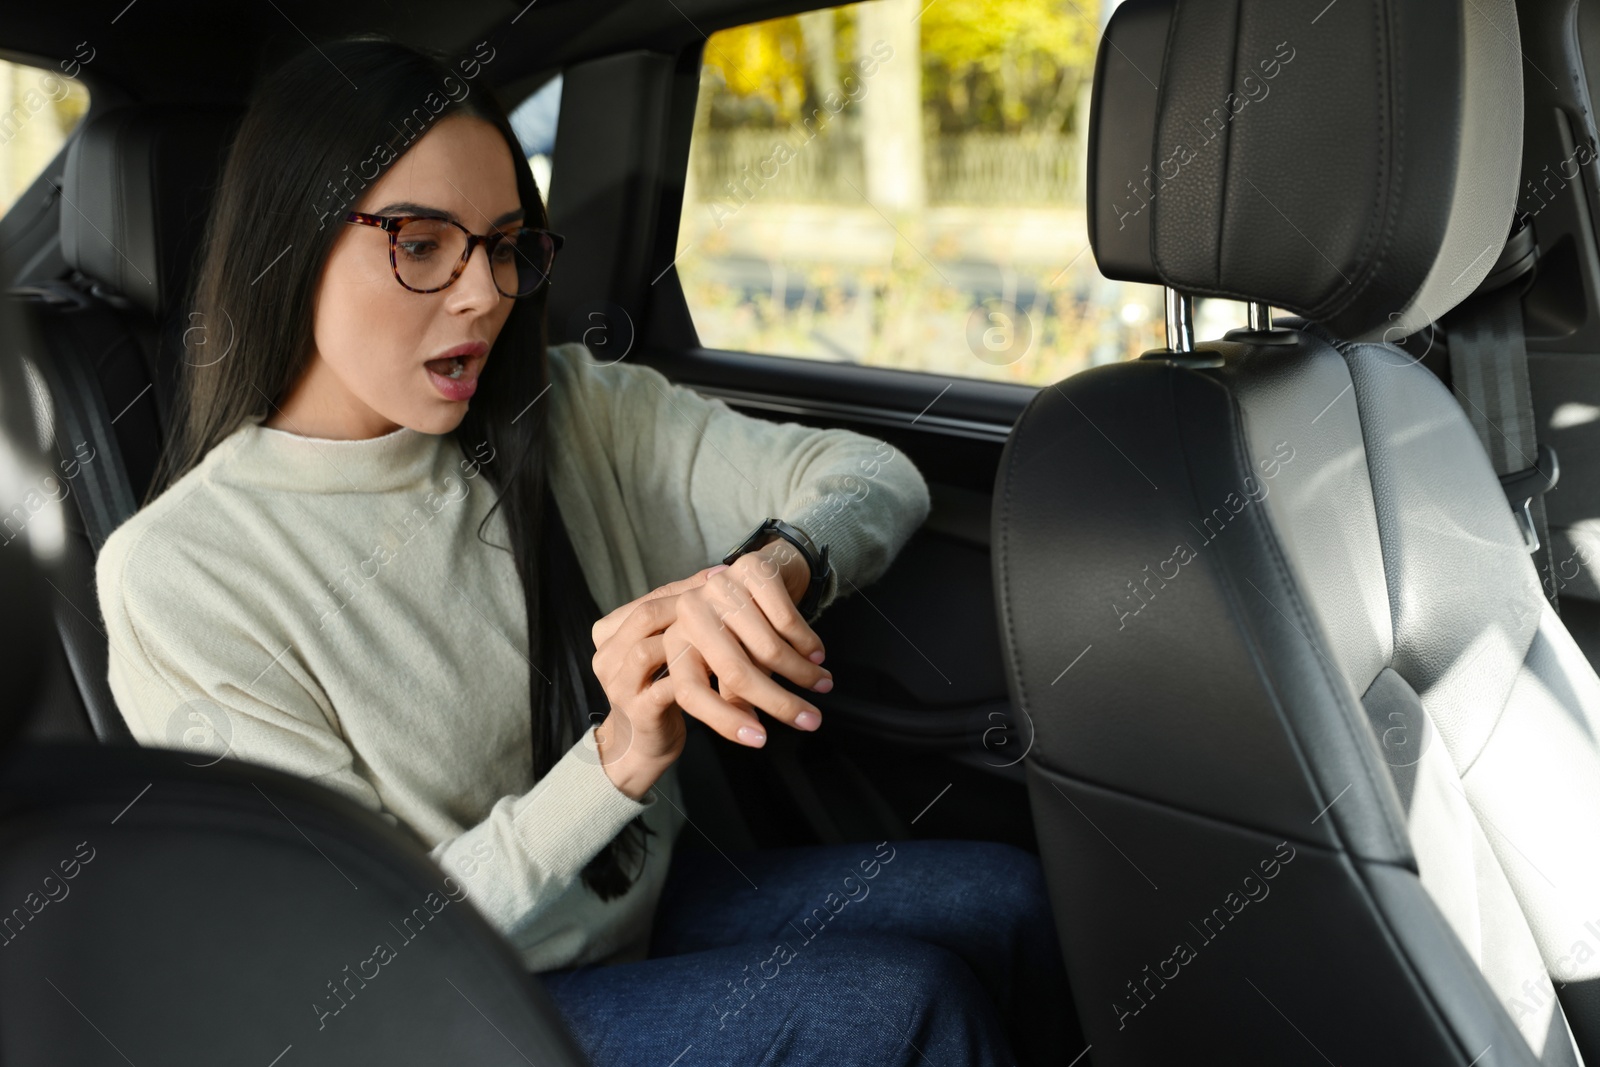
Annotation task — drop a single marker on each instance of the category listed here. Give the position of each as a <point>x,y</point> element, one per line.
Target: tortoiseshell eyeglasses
<point>429,253</point>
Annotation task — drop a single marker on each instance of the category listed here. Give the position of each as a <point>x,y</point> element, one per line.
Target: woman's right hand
<point>644,732</point>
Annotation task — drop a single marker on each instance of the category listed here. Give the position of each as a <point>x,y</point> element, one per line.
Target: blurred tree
<point>762,68</point>
<point>1012,66</point>
<point>1006,65</point>
<point>822,54</point>
<point>891,107</point>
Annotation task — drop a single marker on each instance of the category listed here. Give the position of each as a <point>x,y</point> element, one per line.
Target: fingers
<point>626,674</point>
<point>648,617</point>
<point>773,631</point>
<point>737,674</point>
<point>693,693</point>
<point>742,627</point>
<point>642,703</point>
<point>639,665</point>
<point>698,578</point>
<point>606,626</point>
<point>765,578</point>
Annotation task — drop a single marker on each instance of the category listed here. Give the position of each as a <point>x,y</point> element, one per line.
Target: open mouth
<point>452,367</point>
<point>455,375</point>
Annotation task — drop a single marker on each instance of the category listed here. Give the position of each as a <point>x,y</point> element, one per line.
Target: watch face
<point>768,532</point>
<point>756,538</point>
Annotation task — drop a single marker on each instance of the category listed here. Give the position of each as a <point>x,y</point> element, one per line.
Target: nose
<point>475,287</point>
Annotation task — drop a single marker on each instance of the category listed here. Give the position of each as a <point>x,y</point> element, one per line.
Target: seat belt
<point>78,329</point>
<point>1489,373</point>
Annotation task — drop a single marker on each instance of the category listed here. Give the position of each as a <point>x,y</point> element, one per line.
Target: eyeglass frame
<point>391,225</point>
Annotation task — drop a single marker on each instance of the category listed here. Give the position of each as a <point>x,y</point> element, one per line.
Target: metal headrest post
<point>1180,321</point>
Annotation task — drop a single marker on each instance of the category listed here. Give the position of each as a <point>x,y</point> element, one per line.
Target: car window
<point>901,183</point>
<point>534,122</point>
<point>39,108</point>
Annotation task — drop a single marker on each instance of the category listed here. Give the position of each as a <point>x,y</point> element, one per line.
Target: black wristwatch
<point>816,559</point>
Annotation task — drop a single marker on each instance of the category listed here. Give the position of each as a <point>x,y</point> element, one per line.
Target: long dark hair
<point>306,147</point>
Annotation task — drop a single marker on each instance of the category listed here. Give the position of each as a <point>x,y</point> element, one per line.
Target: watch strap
<point>816,559</point>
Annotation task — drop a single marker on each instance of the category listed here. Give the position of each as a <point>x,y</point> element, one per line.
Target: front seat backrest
<point>1315,769</point>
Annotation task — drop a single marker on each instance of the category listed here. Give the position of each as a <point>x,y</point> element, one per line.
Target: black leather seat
<point>157,912</point>
<point>137,184</point>
<point>1316,772</point>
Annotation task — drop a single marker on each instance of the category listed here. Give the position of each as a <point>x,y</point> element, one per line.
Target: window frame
<point>968,408</point>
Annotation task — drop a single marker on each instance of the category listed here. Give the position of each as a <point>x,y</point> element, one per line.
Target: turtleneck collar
<point>265,458</point>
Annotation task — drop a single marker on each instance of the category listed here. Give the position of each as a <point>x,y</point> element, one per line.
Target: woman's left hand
<point>742,625</point>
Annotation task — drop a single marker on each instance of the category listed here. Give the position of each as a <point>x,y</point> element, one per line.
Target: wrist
<point>630,770</point>
<point>788,553</point>
<point>793,570</point>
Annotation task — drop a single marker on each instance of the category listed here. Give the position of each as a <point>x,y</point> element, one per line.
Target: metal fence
<point>971,168</point>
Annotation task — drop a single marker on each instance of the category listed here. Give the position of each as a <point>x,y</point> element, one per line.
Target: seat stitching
<point>1013,650</point>
<point>1347,350</point>
<point>1267,538</point>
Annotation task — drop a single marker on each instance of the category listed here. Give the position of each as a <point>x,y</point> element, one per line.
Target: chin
<point>438,417</point>
<point>442,421</point>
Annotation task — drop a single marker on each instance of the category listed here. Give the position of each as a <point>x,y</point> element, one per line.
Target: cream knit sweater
<point>325,607</point>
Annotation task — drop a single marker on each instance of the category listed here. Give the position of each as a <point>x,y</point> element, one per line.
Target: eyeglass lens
<point>427,252</point>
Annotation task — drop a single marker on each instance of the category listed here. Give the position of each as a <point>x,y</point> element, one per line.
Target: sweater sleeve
<point>716,473</point>
<point>185,677</point>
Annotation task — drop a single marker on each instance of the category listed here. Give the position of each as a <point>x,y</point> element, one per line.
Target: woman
<point>314,584</point>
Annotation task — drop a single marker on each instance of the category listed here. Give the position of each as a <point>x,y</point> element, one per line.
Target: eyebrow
<point>406,207</point>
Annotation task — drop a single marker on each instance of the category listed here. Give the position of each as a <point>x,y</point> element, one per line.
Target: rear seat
<point>137,184</point>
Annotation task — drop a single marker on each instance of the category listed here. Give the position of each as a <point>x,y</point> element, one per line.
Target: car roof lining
<point>166,50</point>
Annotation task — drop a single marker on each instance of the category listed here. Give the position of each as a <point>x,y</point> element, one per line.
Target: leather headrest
<point>138,184</point>
<point>1355,162</point>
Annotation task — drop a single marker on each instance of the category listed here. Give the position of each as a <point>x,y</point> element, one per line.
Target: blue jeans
<point>940,953</point>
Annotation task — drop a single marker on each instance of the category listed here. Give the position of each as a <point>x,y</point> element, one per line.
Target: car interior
<point>1262,604</point>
